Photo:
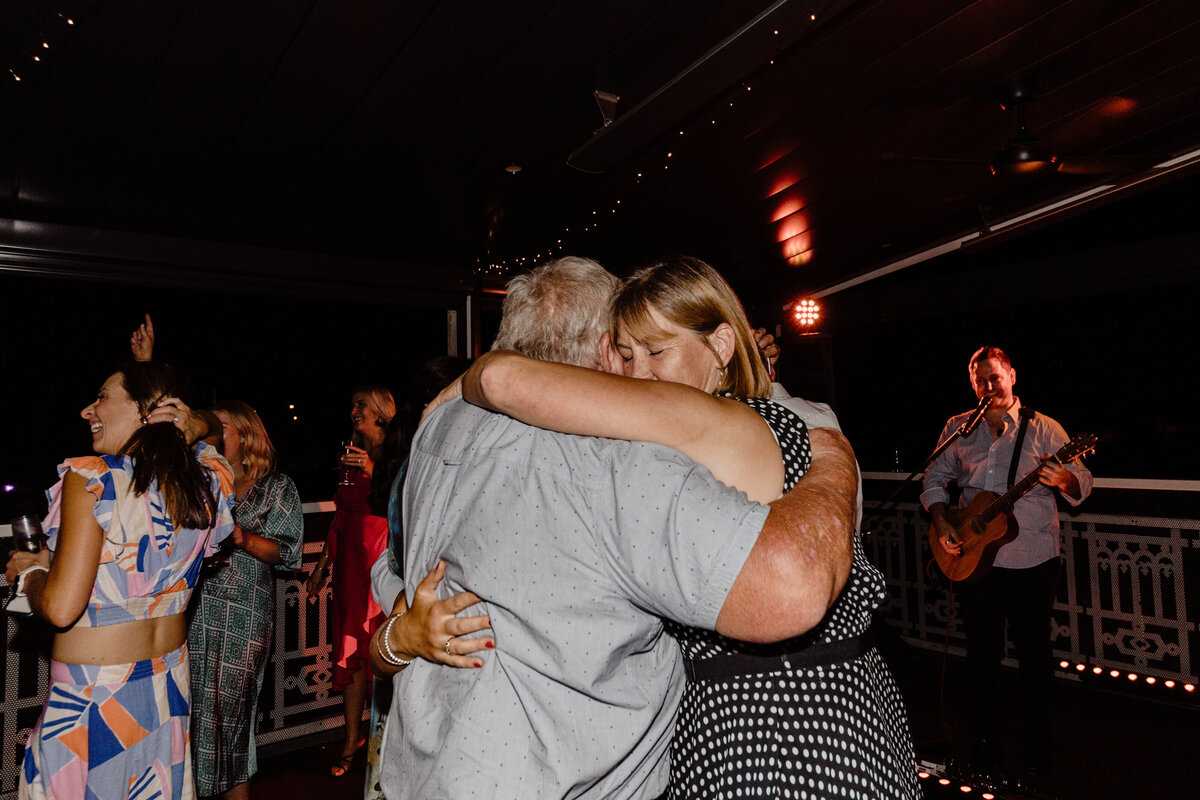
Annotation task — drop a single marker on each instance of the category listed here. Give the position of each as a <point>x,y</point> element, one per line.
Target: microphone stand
<point>963,430</point>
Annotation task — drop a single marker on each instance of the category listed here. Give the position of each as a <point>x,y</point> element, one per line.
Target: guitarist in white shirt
<point>1020,586</point>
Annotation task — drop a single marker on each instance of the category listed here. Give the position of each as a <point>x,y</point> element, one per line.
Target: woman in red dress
<point>356,538</point>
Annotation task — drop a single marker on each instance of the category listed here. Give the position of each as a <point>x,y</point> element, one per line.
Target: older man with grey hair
<point>580,547</point>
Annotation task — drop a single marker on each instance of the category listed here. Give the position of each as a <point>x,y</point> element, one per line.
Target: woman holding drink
<point>356,538</point>
<point>127,530</point>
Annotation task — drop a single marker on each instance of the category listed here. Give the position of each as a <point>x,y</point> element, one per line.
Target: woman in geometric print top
<point>127,532</point>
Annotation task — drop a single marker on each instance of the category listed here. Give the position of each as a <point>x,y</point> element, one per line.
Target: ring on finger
<point>446,647</point>
<point>175,420</point>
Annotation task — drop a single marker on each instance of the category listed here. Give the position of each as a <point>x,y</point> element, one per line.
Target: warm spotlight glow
<point>988,796</point>
<point>783,182</point>
<point>1118,106</point>
<point>774,156</point>
<point>806,312</point>
<point>791,227</point>
<point>922,774</point>
<point>965,789</point>
<point>1114,673</point>
<point>1132,676</point>
<point>1150,679</point>
<point>795,245</point>
<point>1097,670</point>
<point>944,781</point>
<point>1064,664</point>
<point>1081,667</point>
<point>1169,684</point>
<point>1187,687</point>
<point>800,259</point>
<point>788,206</point>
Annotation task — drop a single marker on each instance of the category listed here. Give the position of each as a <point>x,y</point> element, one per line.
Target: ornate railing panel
<point>1123,605</point>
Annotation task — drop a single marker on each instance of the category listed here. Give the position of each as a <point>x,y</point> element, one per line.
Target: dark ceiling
<point>793,143</point>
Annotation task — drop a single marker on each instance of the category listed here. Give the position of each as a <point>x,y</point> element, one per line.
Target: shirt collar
<point>1014,410</point>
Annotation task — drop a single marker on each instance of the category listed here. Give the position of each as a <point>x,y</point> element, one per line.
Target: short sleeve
<point>678,537</point>
<point>284,520</point>
<point>103,481</point>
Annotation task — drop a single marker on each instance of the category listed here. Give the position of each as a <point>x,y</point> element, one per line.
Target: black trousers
<point>1023,598</point>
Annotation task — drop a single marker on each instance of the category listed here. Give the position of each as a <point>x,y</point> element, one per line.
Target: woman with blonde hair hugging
<point>815,716</point>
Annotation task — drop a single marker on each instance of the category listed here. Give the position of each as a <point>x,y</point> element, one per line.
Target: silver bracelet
<point>19,580</point>
<point>388,655</point>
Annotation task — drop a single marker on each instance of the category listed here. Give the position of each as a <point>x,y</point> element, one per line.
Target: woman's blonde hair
<point>379,401</point>
<point>694,296</point>
<point>258,454</point>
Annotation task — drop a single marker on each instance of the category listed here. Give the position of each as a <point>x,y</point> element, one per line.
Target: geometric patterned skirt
<point>112,732</point>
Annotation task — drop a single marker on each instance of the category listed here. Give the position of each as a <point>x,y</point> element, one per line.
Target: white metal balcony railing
<point>1122,607</point>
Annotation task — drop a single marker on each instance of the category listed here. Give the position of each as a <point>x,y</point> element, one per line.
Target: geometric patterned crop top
<point>148,568</point>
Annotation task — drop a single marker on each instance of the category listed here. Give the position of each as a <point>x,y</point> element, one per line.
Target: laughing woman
<point>127,531</point>
<point>227,671</point>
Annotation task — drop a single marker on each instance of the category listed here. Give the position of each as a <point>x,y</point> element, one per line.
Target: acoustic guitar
<point>987,522</point>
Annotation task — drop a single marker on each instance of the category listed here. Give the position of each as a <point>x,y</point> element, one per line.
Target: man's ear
<point>723,343</point>
<point>610,360</point>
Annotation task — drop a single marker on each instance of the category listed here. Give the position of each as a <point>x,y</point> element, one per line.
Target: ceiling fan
<point>1024,155</point>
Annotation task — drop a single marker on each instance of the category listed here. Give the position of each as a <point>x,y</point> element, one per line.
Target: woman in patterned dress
<point>230,631</point>
<point>356,537</point>
<point>817,716</point>
<point>127,531</point>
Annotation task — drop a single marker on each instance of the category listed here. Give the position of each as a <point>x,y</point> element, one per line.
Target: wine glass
<point>27,537</point>
<point>27,533</point>
<point>346,476</point>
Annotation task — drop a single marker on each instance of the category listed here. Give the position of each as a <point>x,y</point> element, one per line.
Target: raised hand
<point>141,342</point>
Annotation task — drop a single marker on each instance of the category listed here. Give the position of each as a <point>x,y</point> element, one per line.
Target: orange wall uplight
<point>788,206</point>
<point>792,226</point>
<point>784,181</point>
<point>798,249</point>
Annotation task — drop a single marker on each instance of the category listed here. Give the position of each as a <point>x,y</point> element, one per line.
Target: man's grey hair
<point>558,312</point>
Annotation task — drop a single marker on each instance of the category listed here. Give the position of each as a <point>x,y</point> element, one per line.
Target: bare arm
<point>802,557</point>
<point>61,595</point>
<point>726,436</point>
<point>262,548</point>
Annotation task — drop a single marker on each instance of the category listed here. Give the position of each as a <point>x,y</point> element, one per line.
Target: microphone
<point>976,415</point>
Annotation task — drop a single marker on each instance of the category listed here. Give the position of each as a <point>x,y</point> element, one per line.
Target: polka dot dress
<point>837,731</point>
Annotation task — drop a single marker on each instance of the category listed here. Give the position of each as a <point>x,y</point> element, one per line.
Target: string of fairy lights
<point>41,49</point>
<point>660,161</point>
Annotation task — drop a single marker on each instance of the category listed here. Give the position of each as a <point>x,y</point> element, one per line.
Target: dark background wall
<point>63,337</point>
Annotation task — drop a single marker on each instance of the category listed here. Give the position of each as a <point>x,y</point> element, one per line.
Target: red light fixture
<point>806,313</point>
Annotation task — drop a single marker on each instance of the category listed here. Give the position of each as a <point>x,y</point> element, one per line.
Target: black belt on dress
<point>734,665</point>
